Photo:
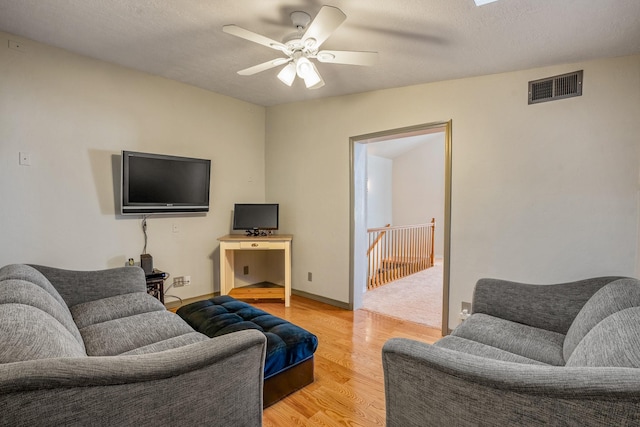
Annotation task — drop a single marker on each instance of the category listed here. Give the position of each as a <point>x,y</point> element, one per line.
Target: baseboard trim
<point>335,303</point>
<point>174,305</point>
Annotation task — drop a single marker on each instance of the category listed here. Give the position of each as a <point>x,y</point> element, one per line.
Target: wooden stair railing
<point>377,239</point>
<point>399,251</point>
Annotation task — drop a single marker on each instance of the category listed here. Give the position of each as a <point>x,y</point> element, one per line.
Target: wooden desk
<point>237,242</point>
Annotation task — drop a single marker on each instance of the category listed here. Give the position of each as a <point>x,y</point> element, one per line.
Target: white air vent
<point>557,87</point>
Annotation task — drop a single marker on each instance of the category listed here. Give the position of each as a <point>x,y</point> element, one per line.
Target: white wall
<point>418,187</point>
<point>74,115</point>
<point>379,191</point>
<point>542,193</point>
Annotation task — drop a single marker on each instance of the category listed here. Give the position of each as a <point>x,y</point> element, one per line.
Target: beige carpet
<point>417,298</point>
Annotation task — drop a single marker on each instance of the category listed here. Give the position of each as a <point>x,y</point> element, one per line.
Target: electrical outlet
<point>245,270</point>
<point>466,311</point>
<point>181,281</point>
<point>310,276</point>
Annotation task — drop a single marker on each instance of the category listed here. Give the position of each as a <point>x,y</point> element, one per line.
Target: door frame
<point>357,238</point>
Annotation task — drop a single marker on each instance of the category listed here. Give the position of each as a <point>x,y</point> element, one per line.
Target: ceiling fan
<point>303,45</point>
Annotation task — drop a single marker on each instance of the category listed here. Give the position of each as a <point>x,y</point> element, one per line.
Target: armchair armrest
<point>432,386</point>
<point>77,287</point>
<point>198,384</point>
<point>550,307</point>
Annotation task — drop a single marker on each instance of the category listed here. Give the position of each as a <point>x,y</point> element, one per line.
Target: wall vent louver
<point>557,87</point>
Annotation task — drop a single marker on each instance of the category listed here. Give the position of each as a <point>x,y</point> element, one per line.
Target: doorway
<point>395,140</point>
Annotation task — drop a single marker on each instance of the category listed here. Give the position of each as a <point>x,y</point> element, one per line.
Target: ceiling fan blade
<point>263,67</point>
<point>347,57</point>
<point>234,30</point>
<point>326,21</point>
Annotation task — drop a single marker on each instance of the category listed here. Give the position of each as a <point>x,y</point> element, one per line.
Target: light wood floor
<point>349,384</point>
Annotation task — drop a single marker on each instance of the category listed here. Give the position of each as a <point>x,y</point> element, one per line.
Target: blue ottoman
<point>288,363</point>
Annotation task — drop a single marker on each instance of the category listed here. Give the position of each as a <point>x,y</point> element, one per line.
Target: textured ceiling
<point>418,41</point>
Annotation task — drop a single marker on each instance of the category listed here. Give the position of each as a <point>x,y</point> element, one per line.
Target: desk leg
<point>227,272</point>
<point>287,275</point>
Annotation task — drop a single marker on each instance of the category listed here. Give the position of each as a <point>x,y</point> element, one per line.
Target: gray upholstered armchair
<point>92,348</point>
<point>564,354</point>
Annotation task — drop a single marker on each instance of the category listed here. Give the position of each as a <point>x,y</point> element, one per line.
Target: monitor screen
<point>255,216</point>
<point>157,183</point>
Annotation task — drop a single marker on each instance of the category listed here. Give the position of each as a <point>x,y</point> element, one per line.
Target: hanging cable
<point>144,231</point>
<point>166,295</point>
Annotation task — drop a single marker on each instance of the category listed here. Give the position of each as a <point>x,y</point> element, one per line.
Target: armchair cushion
<point>523,340</point>
<point>121,335</point>
<point>611,298</point>
<point>76,287</point>
<point>168,344</point>
<point>615,341</point>
<point>29,333</point>
<point>29,294</point>
<point>549,307</point>
<point>35,323</point>
<point>116,307</point>
<point>31,275</point>
<point>451,342</point>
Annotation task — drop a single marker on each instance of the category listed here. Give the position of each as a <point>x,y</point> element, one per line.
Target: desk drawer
<point>260,245</point>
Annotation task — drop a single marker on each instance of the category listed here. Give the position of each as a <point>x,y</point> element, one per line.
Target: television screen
<point>158,183</point>
<point>254,216</point>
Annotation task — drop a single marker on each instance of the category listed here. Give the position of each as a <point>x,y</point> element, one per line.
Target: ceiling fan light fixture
<point>288,74</point>
<point>317,85</point>
<point>304,67</point>
<point>303,45</point>
<point>313,79</point>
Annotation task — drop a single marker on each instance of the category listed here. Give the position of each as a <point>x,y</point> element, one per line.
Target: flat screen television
<point>255,217</point>
<point>158,183</point>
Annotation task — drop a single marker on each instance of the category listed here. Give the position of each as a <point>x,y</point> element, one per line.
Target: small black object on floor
<point>289,359</point>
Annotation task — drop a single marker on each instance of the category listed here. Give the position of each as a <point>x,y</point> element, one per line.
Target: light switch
<point>25,159</point>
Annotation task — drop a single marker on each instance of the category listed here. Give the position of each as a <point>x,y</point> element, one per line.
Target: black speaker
<point>146,262</point>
